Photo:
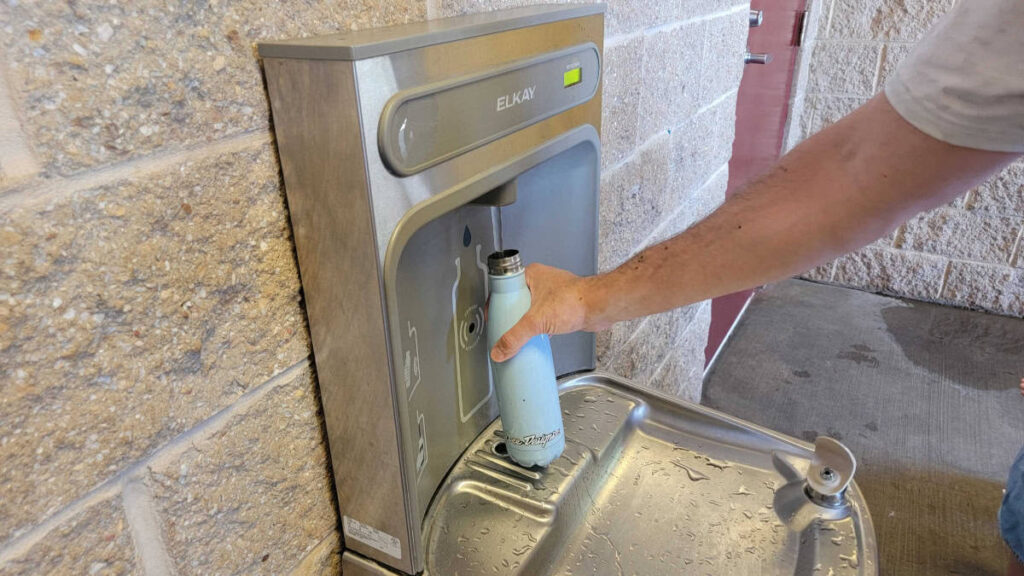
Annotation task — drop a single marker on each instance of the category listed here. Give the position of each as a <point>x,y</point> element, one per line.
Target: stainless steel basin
<point>647,485</point>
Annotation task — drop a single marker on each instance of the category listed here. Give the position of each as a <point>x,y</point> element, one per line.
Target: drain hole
<point>472,327</point>
<point>499,448</point>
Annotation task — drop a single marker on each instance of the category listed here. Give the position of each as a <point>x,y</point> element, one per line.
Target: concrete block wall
<point>966,254</point>
<point>158,405</point>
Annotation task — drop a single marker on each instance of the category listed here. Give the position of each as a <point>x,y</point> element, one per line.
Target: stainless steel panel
<point>379,79</point>
<point>441,299</point>
<point>346,205</point>
<point>554,222</point>
<point>458,181</point>
<point>355,565</point>
<point>647,485</point>
<point>371,42</point>
<point>426,126</point>
<point>436,289</point>
<point>318,137</point>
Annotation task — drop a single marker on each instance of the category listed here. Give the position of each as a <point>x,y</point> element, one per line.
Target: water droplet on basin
<point>589,399</point>
<point>721,465</point>
<point>694,475</point>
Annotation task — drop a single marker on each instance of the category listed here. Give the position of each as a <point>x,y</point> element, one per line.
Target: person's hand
<point>558,304</point>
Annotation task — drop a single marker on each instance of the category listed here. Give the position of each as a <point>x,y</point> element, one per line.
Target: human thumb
<point>512,341</point>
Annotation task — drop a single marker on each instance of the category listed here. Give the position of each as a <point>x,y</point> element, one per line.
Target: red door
<point>762,108</point>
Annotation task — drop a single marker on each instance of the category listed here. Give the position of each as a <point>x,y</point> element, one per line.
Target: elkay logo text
<point>514,99</point>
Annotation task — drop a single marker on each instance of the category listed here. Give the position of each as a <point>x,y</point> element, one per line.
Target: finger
<point>528,274</point>
<point>512,341</point>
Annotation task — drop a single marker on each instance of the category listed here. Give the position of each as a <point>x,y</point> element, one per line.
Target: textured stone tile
<point>627,16</point>
<point>633,202</point>
<point>821,273</point>
<point>17,163</point>
<point>962,234</point>
<point>131,312</point>
<point>623,67</point>
<point>903,20</point>
<point>95,542</point>
<point>998,289</point>
<point>721,68</point>
<point>682,372</point>
<point>97,82</point>
<point>843,68</point>
<point>611,340</point>
<point>671,77</point>
<point>692,207</point>
<point>892,55</point>
<point>649,344</point>
<point>459,7</point>
<point>816,26</point>
<point>891,272</point>
<point>830,109</point>
<point>1001,194</point>
<point>255,497</point>
<point>702,145</point>
<point>801,120</point>
<point>630,16</point>
<point>703,201</point>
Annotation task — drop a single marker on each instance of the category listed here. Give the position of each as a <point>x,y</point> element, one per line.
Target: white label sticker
<point>372,537</point>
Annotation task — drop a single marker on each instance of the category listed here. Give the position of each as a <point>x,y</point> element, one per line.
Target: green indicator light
<point>572,77</point>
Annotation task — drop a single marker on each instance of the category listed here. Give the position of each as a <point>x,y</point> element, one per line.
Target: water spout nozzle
<point>501,196</point>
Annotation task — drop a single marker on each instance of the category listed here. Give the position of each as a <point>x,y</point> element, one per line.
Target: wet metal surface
<point>645,486</point>
<point>924,395</point>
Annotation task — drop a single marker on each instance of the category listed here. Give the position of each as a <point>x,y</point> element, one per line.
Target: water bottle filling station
<point>409,155</point>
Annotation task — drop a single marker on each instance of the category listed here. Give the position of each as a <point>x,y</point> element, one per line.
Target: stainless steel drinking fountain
<point>409,154</point>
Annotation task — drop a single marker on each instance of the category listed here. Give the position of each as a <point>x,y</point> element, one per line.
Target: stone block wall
<point>966,254</point>
<point>158,405</point>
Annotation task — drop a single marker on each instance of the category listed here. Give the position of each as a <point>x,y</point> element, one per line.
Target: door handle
<point>756,58</point>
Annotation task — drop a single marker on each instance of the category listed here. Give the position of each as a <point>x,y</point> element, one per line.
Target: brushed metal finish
<point>353,221</point>
<point>355,565</point>
<point>435,279</point>
<point>648,484</point>
<point>318,137</point>
<point>411,138</point>
<point>401,206</point>
<point>378,79</point>
<point>756,58</point>
<point>371,42</point>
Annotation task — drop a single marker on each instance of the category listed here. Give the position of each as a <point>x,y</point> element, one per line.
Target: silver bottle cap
<point>504,263</point>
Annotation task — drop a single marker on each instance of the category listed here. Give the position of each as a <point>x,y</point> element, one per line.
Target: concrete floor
<point>925,396</point>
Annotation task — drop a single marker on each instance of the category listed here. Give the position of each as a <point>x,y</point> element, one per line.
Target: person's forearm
<point>836,192</point>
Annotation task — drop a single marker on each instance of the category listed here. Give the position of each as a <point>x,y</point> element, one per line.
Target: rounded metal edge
<point>348,46</point>
<point>387,114</point>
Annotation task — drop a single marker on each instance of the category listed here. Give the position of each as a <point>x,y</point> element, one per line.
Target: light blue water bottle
<point>531,416</point>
